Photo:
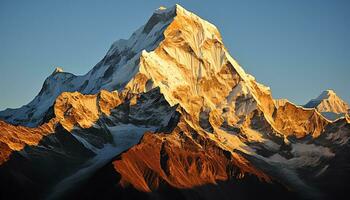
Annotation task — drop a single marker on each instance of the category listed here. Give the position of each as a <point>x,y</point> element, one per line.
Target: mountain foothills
<point>169,114</point>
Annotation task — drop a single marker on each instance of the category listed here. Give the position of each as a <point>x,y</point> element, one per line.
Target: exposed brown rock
<point>181,160</point>
<point>14,138</point>
<point>297,121</point>
<point>71,109</point>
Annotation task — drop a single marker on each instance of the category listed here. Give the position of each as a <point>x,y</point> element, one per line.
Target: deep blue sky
<point>296,47</point>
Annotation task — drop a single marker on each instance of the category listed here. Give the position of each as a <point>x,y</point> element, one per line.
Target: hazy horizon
<point>297,48</point>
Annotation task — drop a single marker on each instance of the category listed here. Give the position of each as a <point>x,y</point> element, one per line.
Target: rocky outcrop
<point>70,110</point>
<point>182,159</point>
<point>15,138</point>
<point>296,121</point>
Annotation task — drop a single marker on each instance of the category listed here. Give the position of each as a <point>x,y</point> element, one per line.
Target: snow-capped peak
<point>57,70</point>
<point>171,39</point>
<point>160,10</point>
<point>326,95</point>
<point>177,51</point>
<point>329,102</point>
<point>113,72</point>
<point>163,9</point>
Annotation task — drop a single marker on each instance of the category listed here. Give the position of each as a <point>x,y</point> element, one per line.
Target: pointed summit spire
<point>163,9</point>
<point>57,70</point>
<point>326,94</point>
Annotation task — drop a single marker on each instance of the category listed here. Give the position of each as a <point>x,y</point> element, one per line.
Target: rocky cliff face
<point>166,110</point>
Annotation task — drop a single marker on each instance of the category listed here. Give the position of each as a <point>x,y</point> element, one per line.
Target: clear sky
<point>297,47</point>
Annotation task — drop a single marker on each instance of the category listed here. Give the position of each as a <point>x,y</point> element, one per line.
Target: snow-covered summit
<point>113,72</point>
<point>57,70</point>
<point>176,51</point>
<point>161,10</point>
<point>326,95</point>
<point>122,61</point>
<point>329,104</point>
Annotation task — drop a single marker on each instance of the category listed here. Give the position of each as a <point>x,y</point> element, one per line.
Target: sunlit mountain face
<point>169,114</point>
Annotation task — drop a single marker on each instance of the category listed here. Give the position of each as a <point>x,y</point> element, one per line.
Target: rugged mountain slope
<point>77,140</point>
<point>330,105</point>
<point>113,72</point>
<point>69,110</point>
<point>166,110</point>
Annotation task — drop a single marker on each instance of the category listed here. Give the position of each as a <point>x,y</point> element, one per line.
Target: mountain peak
<point>57,70</point>
<point>163,9</point>
<point>329,102</point>
<point>327,94</point>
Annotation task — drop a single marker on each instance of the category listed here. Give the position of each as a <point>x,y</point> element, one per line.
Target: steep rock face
<point>181,164</point>
<point>14,138</point>
<point>295,121</point>
<point>76,111</point>
<point>330,105</point>
<point>29,173</point>
<point>73,109</point>
<point>180,160</point>
<point>70,109</point>
<point>192,68</point>
<point>80,136</point>
<point>280,102</point>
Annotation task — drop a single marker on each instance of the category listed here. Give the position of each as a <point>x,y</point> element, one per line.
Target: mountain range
<point>169,114</point>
